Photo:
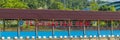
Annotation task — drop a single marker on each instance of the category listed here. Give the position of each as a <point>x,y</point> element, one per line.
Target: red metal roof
<point>57,14</point>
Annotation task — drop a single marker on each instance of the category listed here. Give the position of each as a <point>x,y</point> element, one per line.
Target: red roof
<point>57,14</point>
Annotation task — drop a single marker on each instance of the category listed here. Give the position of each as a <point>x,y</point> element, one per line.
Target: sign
<point>20,23</point>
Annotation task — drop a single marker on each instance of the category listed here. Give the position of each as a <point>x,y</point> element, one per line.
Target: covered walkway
<point>58,23</point>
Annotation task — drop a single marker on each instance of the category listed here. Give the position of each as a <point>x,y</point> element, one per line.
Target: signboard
<point>20,23</point>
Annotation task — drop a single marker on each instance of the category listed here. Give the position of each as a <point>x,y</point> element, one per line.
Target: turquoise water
<point>59,33</point>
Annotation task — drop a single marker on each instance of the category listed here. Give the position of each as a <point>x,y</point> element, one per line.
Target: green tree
<point>42,4</point>
<point>107,8</point>
<point>112,8</point>
<point>32,4</point>
<point>94,5</point>
<point>1,3</point>
<point>14,4</point>
<point>50,3</point>
<point>75,4</point>
<point>104,8</point>
<point>57,5</point>
<point>103,23</point>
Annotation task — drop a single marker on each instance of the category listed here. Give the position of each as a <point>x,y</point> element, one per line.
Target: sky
<point>110,0</point>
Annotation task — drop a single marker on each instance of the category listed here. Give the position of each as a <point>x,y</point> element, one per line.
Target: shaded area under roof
<point>57,14</point>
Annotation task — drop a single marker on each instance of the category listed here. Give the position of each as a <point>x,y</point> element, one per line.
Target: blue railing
<point>60,33</point>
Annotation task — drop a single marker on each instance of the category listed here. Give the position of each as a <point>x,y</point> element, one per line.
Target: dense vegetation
<point>55,4</point>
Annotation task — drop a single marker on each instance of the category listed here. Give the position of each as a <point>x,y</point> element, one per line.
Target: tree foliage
<point>13,4</point>
<point>107,8</point>
<point>94,5</point>
<point>32,4</point>
<point>112,8</point>
<point>55,4</point>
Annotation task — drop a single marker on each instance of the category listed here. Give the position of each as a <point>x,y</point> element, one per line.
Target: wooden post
<point>111,27</point>
<point>69,29</point>
<point>98,29</point>
<point>0,31</point>
<point>53,29</point>
<point>36,29</point>
<point>4,25</point>
<point>84,28</point>
<point>18,29</point>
